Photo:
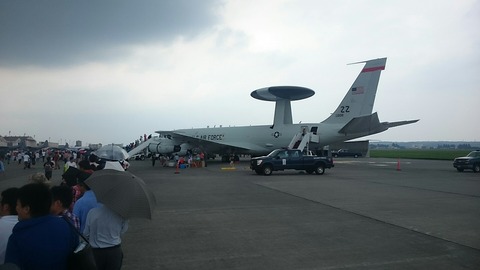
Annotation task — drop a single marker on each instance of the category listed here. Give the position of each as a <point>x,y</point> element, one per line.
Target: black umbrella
<point>122,192</point>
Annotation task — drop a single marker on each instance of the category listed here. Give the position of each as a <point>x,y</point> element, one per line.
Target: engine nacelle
<point>166,146</point>
<point>184,148</point>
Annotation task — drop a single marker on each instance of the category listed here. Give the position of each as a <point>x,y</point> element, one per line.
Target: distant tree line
<point>464,146</point>
<point>446,146</point>
<point>453,146</point>
<point>386,146</point>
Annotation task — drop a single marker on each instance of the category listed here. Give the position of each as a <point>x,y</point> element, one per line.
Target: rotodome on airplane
<point>352,119</point>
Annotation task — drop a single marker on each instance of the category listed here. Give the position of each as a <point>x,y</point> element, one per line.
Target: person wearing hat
<point>40,178</point>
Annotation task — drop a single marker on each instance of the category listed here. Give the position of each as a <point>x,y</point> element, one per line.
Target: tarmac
<point>365,213</point>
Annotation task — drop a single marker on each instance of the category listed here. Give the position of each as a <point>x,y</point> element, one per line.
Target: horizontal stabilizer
<point>363,124</point>
<point>401,123</point>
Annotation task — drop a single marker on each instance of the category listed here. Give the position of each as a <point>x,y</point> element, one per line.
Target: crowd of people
<point>40,223</point>
<point>30,158</point>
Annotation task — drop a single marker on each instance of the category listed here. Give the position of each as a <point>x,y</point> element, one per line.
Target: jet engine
<point>166,146</point>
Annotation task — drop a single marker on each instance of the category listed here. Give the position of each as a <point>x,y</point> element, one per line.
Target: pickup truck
<point>346,153</point>
<point>471,162</point>
<point>286,159</point>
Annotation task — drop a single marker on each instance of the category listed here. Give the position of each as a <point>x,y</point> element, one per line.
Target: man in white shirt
<point>26,161</point>
<point>70,163</point>
<point>8,218</point>
<point>104,229</point>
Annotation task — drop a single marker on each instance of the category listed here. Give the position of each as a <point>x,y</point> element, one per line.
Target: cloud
<point>53,33</point>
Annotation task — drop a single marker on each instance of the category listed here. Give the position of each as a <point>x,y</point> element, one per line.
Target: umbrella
<point>113,165</point>
<point>122,192</point>
<point>73,176</point>
<point>111,152</point>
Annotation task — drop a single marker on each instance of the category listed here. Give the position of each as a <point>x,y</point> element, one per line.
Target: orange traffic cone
<point>398,165</point>
<point>176,170</point>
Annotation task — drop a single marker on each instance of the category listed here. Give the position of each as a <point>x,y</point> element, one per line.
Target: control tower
<point>282,95</point>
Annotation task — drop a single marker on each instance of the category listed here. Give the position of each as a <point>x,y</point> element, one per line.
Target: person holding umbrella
<point>121,196</point>
<point>104,229</point>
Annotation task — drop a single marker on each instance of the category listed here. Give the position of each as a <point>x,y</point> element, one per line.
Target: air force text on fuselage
<point>211,137</point>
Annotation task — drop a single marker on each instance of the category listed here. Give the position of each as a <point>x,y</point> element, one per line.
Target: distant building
<point>21,141</point>
<point>94,146</point>
<point>3,142</point>
<point>53,145</point>
<point>78,144</point>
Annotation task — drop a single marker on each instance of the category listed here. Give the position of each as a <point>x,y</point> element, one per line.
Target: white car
<point>140,156</point>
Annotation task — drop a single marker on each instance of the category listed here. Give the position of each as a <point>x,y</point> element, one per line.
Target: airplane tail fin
<point>361,95</point>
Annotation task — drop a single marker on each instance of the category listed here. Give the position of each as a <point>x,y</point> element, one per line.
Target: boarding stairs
<point>302,140</point>
<point>141,147</point>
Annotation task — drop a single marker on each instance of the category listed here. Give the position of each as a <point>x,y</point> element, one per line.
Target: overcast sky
<point>110,71</point>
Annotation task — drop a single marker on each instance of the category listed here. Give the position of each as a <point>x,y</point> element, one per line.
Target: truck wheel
<point>320,169</point>
<point>460,169</point>
<point>476,167</point>
<point>355,156</point>
<point>267,170</point>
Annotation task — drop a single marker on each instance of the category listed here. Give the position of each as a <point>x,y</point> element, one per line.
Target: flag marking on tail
<point>358,90</point>
<point>373,69</point>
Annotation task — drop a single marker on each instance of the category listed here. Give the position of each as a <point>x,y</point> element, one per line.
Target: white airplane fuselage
<point>262,139</point>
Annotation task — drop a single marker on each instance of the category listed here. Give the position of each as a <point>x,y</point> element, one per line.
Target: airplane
<point>353,118</point>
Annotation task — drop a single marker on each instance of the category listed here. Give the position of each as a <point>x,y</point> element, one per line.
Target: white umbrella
<point>113,165</point>
<point>111,152</point>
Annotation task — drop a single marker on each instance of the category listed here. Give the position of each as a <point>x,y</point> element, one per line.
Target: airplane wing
<point>180,138</point>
